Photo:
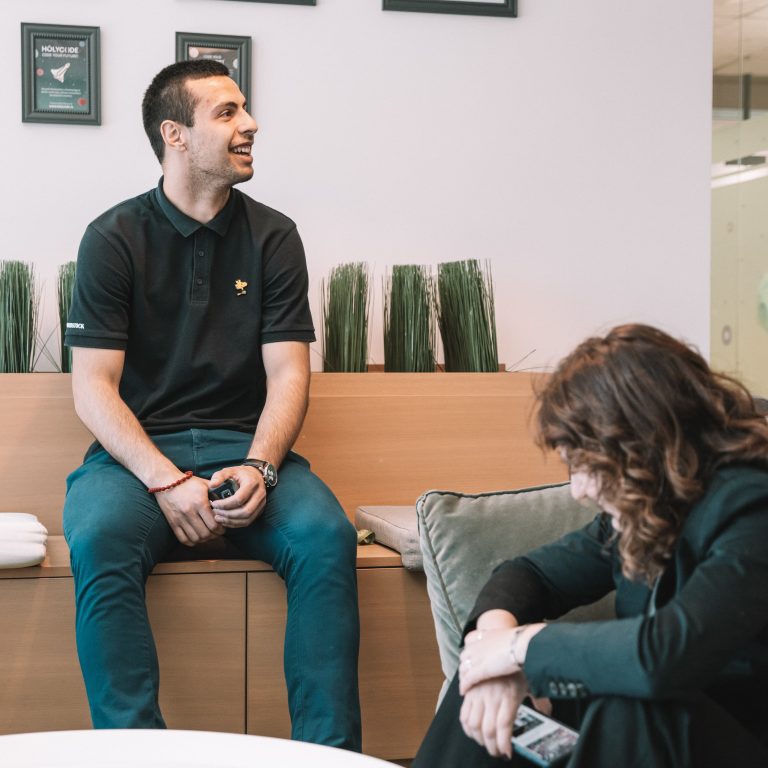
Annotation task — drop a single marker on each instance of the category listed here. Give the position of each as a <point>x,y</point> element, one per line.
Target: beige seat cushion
<point>396,528</point>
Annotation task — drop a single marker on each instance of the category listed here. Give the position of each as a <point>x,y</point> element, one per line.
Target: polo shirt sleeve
<point>100,313</point>
<point>285,306</point>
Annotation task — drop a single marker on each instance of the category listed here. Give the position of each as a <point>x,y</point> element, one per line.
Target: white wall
<point>571,146</point>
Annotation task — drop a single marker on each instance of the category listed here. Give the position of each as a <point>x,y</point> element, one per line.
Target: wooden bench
<point>219,624</point>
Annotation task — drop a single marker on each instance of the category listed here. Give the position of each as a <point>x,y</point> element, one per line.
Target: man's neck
<point>199,201</point>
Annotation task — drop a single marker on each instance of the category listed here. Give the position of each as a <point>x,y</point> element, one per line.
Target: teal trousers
<point>116,534</point>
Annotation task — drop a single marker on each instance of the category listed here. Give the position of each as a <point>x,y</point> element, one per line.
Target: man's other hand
<point>188,512</point>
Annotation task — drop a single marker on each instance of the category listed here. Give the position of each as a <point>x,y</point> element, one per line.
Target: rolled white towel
<point>20,554</point>
<point>17,517</point>
<point>22,540</point>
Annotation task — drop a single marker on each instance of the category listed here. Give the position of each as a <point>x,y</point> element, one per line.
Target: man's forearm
<point>282,417</point>
<point>112,423</point>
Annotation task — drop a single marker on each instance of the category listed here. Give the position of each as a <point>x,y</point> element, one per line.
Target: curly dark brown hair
<point>647,416</point>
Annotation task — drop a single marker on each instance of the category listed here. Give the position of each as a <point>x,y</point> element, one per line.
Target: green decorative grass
<point>18,316</point>
<point>64,288</point>
<point>345,318</point>
<point>466,316</point>
<point>410,332</point>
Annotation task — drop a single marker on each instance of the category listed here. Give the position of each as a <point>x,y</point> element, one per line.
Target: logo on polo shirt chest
<point>240,286</point>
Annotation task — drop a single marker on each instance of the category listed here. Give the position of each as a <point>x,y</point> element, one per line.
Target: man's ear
<point>172,135</point>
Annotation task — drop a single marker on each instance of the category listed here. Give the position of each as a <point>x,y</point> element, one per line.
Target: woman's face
<point>585,485</point>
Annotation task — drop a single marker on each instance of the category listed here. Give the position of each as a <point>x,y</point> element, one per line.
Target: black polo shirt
<point>191,304</point>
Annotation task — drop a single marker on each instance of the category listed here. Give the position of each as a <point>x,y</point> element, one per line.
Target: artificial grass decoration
<point>18,316</point>
<point>345,318</point>
<point>466,316</point>
<point>409,320</point>
<point>64,288</point>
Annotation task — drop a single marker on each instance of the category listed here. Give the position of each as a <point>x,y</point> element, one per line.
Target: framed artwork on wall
<point>472,7</point>
<point>60,74</point>
<point>285,2</point>
<point>233,52</point>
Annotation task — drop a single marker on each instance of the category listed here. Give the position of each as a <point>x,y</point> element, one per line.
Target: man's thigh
<point>302,519</point>
<point>109,515</point>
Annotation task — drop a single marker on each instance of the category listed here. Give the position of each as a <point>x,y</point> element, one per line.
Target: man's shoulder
<point>262,214</point>
<point>125,215</point>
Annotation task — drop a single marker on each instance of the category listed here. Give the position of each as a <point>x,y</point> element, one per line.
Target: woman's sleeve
<point>549,581</point>
<point>708,624</point>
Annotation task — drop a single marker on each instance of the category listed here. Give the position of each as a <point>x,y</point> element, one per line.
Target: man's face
<point>219,143</point>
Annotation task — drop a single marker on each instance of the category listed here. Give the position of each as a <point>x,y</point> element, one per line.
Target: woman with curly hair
<point>676,458</point>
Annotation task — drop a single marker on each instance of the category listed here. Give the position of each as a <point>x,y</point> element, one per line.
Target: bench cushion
<point>394,527</point>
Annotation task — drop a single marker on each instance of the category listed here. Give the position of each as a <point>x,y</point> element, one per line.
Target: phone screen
<point>541,739</point>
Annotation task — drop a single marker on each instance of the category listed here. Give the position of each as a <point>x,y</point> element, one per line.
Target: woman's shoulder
<point>739,479</point>
<point>734,491</point>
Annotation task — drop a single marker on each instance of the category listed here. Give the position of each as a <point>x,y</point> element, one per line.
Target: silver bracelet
<point>513,647</point>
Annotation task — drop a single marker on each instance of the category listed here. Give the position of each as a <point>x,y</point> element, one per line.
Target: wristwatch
<point>513,652</point>
<point>268,471</point>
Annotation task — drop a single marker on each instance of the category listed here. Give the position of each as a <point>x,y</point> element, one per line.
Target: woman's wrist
<point>520,640</point>
<point>496,619</point>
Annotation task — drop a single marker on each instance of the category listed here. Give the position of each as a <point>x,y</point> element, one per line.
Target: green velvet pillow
<point>464,537</point>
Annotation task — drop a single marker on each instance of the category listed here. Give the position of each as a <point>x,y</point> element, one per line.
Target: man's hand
<point>188,512</point>
<point>247,504</point>
<point>489,711</point>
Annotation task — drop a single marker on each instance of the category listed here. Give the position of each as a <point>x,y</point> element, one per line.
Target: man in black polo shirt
<point>190,330</point>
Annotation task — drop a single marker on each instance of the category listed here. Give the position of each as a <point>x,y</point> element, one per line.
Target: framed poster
<point>286,2</point>
<point>60,74</point>
<point>233,52</point>
<point>472,7</point>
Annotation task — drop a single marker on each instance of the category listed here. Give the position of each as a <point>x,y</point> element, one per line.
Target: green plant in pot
<point>64,288</point>
<point>19,297</point>
<point>409,320</point>
<point>345,318</point>
<point>466,316</point>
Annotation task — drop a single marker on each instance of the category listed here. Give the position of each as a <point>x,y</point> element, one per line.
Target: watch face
<point>270,476</point>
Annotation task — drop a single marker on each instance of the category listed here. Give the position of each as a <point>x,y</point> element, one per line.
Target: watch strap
<point>267,469</point>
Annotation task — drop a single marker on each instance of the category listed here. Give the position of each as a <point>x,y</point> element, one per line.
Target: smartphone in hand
<point>223,490</point>
<point>544,741</point>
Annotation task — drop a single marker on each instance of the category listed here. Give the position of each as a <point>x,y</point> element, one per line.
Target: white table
<point>169,749</point>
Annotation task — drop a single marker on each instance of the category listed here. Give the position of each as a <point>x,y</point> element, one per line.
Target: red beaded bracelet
<point>161,488</point>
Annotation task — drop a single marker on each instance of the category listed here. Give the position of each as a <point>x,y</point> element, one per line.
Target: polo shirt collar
<point>186,225</point>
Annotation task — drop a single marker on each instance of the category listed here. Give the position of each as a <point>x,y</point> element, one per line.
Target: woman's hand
<point>490,653</point>
<point>489,711</point>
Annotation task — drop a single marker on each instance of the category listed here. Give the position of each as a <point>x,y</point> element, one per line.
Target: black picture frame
<point>231,50</point>
<point>60,74</point>
<point>469,7</point>
<point>284,2</point>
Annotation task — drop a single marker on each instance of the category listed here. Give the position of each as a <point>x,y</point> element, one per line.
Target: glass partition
<point>739,293</point>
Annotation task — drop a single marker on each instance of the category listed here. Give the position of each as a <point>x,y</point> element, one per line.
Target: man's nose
<point>249,125</point>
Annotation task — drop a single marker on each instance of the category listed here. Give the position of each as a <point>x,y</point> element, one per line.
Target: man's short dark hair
<point>168,98</point>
